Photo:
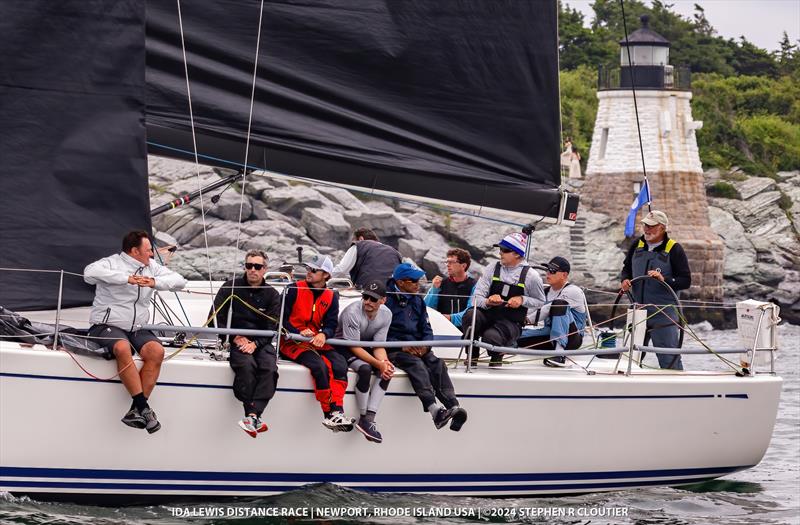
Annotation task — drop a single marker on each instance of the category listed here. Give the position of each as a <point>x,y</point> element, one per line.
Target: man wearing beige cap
<point>663,260</point>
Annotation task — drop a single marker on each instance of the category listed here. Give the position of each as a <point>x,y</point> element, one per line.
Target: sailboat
<point>443,102</point>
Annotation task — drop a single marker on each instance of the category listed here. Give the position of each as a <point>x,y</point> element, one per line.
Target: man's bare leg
<point>152,353</point>
<point>128,373</point>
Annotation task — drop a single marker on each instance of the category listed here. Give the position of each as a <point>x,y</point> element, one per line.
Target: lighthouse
<point>614,171</point>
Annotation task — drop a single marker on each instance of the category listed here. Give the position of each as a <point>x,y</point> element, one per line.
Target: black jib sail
<point>73,169</point>
<point>451,100</point>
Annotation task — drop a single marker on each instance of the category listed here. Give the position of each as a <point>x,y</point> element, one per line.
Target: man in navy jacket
<point>427,373</point>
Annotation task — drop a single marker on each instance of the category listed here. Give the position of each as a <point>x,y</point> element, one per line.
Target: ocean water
<point>766,494</point>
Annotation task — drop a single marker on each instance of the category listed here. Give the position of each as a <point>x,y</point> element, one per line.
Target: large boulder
<point>384,221</point>
<point>414,249</point>
<point>292,200</point>
<point>326,227</point>
<point>256,186</point>
<point>342,197</point>
<point>740,254</point>
<point>230,207</point>
<point>274,228</point>
<point>194,264</point>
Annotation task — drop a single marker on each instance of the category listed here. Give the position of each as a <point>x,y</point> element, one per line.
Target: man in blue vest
<point>367,259</point>
<point>664,261</point>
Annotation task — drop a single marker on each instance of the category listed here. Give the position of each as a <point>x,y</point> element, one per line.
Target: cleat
<point>151,422</point>
<point>459,417</point>
<point>134,419</point>
<point>248,424</point>
<point>369,429</point>
<point>443,416</point>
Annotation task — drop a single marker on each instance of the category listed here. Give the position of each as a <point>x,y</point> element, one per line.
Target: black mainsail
<point>454,100</point>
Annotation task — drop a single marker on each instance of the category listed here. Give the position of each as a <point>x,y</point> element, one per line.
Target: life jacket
<point>648,291</point>
<point>507,291</point>
<point>307,312</point>
<point>453,296</point>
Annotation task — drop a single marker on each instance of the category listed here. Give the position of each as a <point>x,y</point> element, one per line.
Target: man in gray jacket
<point>125,283</point>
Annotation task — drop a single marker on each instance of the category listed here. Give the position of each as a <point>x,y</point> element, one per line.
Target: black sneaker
<point>151,422</point>
<point>459,417</point>
<point>496,361</point>
<point>369,429</point>
<point>443,416</point>
<point>555,362</point>
<point>134,419</point>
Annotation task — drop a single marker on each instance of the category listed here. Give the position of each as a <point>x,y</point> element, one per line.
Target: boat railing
<point>466,343</point>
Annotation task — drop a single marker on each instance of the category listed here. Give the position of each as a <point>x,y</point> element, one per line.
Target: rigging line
<point>194,143</point>
<point>635,105</point>
<point>322,183</point>
<point>247,141</point>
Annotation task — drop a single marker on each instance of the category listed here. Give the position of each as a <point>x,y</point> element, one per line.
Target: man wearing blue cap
<point>503,296</point>
<point>427,373</point>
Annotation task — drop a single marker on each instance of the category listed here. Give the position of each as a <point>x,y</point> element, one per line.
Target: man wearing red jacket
<point>312,310</point>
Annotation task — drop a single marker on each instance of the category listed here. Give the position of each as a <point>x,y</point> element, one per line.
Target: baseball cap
<point>407,271</point>
<point>514,241</point>
<point>558,264</point>
<point>320,262</point>
<point>375,289</point>
<point>656,217</point>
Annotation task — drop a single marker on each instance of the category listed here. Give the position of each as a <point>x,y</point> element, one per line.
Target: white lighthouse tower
<point>614,170</point>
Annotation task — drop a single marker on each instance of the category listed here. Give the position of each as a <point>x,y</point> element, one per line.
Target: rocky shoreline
<point>757,218</point>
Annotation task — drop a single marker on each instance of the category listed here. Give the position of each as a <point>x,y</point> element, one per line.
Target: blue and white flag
<point>641,199</point>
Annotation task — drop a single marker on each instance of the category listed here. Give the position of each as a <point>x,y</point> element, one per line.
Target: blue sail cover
<point>447,99</point>
<point>73,167</point>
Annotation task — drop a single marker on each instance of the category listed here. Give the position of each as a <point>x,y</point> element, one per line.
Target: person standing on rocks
<point>452,296</point>
<point>312,310</point>
<point>255,306</point>
<point>504,294</point>
<point>367,259</point>
<point>662,259</point>
<point>125,284</point>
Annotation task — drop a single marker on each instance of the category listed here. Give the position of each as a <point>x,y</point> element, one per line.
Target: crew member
<point>124,285</point>
<point>504,294</point>
<point>663,260</point>
<point>247,302</point>
<point>452,296</point>
<point>367,259</point>
<point>563,315</point>
<point>311,309</point>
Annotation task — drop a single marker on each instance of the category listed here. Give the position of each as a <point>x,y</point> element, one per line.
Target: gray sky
<point>760,21</point>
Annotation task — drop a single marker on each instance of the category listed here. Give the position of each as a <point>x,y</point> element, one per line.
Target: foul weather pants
<point>255,377</point>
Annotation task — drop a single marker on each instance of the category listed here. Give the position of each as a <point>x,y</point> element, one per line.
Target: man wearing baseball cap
<point>663,262</point>
<point>427,373</point>
<point>368,320</point>
<point>504,294</point>
<point>563,315</point>
<point>312,310</point>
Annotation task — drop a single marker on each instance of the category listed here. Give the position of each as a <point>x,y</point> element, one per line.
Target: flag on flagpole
<point>640,200</point>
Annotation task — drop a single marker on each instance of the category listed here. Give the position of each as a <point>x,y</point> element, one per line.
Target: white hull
<point>555,432</point>
<point>531,431</point>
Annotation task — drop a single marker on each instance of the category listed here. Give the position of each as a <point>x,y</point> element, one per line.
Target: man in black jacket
<point>255,305</point>
<point>367,259</point>
<point>662,259</point>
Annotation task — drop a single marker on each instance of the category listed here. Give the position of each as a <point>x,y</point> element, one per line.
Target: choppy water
<point>766,494</point>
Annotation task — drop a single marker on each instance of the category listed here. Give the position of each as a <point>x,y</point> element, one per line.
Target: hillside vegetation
<point>747,97</point>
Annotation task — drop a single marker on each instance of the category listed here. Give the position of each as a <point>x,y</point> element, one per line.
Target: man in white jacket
<point>125,283</point>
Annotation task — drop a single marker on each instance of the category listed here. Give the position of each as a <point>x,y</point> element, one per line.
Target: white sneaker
<point>338,422</point>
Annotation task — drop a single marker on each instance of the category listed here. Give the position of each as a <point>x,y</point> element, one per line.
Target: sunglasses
<point>369,298</point>
<point>505,250</point>
<point>254,266</point>
<point>552,270</point>
<point>314,270</point>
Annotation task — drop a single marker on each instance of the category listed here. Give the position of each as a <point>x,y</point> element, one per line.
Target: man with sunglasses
<point>504,294</point>
<point>427,373</point>
<point>563,315</point>
<point>311,309</point>
<point>247,302</point>
<point>662,259</point>
<point>368,320</point>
